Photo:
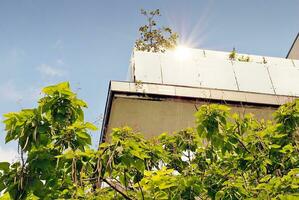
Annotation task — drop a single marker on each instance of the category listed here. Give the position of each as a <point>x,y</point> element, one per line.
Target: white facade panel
<point>253,77</point>
<point>216,74</point>
<point>198,71</point>
<point>176,71</point>
<point>218,55</point>
<point>285,81</point>
<point>213,69</point>
<point>146,67</point>
<point>296,63</point>
<point>279,62</point>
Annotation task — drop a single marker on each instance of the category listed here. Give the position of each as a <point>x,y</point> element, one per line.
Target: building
<point>294,50</point>
<point>165,89</point>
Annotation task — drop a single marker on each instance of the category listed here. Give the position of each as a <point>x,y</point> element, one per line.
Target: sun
<point>182,52</point>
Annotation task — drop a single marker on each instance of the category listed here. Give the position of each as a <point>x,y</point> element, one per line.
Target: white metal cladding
<point>279,62</point>
<point>285,81</point>
<point>179,72</point>
<point>213,69</point>
<point>216,74</point>
<point>260,82</point>
<point>218,55</point>
<point>146,67</point>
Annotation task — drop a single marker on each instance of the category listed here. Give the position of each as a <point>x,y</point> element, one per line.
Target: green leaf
<point>91,126</point>
<point>4,166</point>
<point>5,196</point>
<point>265,178</point>
<point>160,195</point>
<point>68,154</point>
<point>83,135</point>
<point>80,102</point>
<point>219,195</point>
<point>165,185</point>
<point>59,87</point>
<point>103,145</point>
<point>287,148</point>
<point>274,146</point>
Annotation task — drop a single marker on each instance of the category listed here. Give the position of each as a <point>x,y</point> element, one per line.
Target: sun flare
<point>182,52</point>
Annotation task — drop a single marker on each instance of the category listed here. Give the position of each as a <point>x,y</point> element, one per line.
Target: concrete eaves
<point>198,93</point>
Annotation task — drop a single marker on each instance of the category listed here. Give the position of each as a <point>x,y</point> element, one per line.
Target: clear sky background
<point>89,42</point>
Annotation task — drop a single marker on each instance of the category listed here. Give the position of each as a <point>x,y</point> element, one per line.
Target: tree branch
<point>141,190</point>
<point>117,188</point>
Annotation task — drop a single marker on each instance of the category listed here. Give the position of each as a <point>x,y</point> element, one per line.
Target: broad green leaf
<point>265,178</point>
<point>91,126</point>
<point>165,185</point>
<point>5,196</point>
<point>219,195</point>
<point>83,135</point>
<point>274,146</point>
<point>4,166</point>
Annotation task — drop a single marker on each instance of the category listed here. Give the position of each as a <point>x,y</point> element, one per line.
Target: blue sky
<point>89,42</point>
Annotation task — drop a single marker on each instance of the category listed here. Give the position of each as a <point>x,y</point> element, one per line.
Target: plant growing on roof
<point>153,38</point>
<point>244,58</point>
<point>233,54</point>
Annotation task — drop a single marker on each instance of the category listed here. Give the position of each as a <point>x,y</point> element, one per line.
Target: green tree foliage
<point>55,128</point>
<point>224,157</point>
<point>153,38</point>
